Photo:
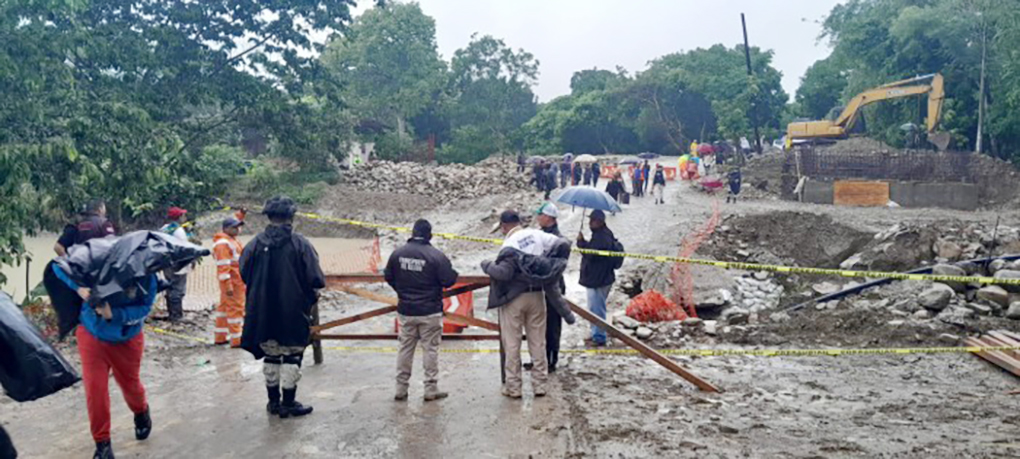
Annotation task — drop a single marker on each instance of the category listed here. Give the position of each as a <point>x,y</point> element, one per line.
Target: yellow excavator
<point>933,85</point>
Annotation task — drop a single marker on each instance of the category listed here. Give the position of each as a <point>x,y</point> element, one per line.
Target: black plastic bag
<point>7,450</point>
<point>66,302</point>
<point>29,367</point>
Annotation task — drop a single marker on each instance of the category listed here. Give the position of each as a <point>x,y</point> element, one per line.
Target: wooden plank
<point>1010,334</point>
<point>393,337</point>
<point>644,349</point>
<point>368,278</point>
<point>998,358</point>
<point>471,321</point>
<point>464,289</point>
<point>1006,341</point>
<point>858,193</point>
<point>355,318</point>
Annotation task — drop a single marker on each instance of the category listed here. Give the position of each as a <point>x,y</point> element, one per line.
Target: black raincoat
<point>109,265</point>
<point>282,273</point>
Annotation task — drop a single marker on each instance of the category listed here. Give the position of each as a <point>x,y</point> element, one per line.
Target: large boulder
<point>1009,274</point>
<point>1014,311</point>
<point>736,316</point>
<point>943,269</point>
<point>995,295</point>
<point>937,297</point>
<point>947,249</point>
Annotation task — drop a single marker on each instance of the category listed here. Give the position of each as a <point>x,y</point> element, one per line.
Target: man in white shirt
<point>178,280</point>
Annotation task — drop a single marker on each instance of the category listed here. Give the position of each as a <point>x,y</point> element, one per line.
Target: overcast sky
<point>571,35</point>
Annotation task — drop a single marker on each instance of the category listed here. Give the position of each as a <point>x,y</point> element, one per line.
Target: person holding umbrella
<point>598,272</point>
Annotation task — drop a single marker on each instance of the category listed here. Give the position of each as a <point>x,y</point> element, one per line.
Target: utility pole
<point>750,73</point>
<point>981,90</point>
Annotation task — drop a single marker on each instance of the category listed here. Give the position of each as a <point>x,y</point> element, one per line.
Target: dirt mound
<point>799,238</point>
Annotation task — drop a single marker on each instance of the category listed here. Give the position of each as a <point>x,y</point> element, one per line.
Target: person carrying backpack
<point>598,272</point>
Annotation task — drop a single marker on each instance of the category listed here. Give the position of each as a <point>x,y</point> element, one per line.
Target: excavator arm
<point>896,90</point>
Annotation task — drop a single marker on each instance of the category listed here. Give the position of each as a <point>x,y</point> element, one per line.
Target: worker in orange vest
<point>230,310</point>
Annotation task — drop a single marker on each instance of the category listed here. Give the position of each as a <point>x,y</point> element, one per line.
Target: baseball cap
<point>175,212</point>
<point>232,222</point>
<point>598,215</point>
<point>548,209</point>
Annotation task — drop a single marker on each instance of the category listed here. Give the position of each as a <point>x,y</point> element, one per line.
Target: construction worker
<point>230,310</point>
<point>178,280</point>
<point>419,272</point>
<point>282,272</point>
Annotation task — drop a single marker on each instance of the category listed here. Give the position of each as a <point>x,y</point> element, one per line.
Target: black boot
<point>103,450</point>
<point>273,407</point>
<point>291,407</point>
<point>143,425</point>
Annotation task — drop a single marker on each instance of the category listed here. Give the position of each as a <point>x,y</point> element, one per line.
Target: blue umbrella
<point>589,198</point>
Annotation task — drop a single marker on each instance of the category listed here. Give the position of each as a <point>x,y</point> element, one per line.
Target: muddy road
<point>210,402</point>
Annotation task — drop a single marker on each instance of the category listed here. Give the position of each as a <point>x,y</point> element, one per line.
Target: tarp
<point>29,367</point>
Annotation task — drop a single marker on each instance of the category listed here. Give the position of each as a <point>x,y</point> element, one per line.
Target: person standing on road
<point>638,182</point>
<point>539,175</point>
<point>177,217</point>
<point>595,171</point>
<point>520,163</point>
<point>587,174</point>
<point>565,173</point>
<point>519,296</point>
<point>659,185</point>
<point>578,172</point>
<point>734,180</point>
<point>110,340</point>
<point>281,270</point>
<point>547,218</point>
<point>419,272</point>
<point>91,224</point>
<point>550,179</point>
<point>597,272</point>
<point>646,174</point>
<point>230,310</point>
<point>615,187</point>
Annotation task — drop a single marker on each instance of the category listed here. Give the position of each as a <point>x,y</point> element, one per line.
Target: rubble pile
<point>441,183</point>
<point>797,238</point>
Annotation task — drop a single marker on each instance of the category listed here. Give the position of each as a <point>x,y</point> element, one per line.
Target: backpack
<point>617,261</point>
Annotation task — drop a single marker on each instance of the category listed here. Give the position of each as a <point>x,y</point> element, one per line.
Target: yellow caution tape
<point>702,262</point>
<point>682,352</point>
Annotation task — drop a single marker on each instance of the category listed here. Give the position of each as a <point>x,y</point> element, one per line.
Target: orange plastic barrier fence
<point>670,173</point>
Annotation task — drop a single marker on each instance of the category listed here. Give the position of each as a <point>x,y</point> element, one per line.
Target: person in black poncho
<point>282,273</point>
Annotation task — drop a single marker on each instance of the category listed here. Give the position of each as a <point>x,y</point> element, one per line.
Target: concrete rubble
<point>443,183</point>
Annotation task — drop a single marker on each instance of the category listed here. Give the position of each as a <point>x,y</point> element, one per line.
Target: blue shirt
<point>128,314</point>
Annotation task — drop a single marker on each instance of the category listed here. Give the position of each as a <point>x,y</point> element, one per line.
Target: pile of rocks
<point>443,183</point>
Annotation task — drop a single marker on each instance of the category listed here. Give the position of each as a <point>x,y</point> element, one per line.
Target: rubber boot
<point>273,407</point>
<point>143,425</point>
<point>103,450</point>
<point>291,407</point>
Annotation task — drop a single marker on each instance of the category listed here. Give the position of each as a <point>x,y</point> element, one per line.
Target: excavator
<point>933,85</point>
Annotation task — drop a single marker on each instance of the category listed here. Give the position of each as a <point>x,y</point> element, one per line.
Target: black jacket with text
<point>419,272</point>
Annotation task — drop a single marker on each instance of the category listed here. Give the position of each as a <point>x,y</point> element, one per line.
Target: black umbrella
<point>648,156</point>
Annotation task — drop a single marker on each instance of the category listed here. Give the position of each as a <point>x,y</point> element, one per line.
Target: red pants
<point>98,358</point>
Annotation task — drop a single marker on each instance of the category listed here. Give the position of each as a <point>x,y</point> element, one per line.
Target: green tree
<point>586,81</point>
<point>490,91</point>
<point>388,64</point>
<point>821,89</point>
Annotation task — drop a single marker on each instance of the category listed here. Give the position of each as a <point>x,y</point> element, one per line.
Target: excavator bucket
<point>940,140</point>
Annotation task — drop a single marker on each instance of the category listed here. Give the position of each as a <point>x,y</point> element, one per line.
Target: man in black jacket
<point>282,273</point>
<point>597,272</point>
<point>419,272</point>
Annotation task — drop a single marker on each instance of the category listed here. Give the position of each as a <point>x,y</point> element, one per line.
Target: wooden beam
<point>998,358</point>
<point>392,301</point>
<point>1006,341</point>
<point>368,278</point>
<point>471,321</point>
<point>464,289</point>
<point>644,349</point>
<point>393,337</point>
<point>355,318</point>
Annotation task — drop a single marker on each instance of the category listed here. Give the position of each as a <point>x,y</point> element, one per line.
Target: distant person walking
<point>550,179</point>
<point>577,173</point>
<point>539,175</point>
<point>565,173</point>
<point>734,180</point>
<point>521,163</point>
<point>178,280</point>
<point>587,174</point>
<point>659,185</point>
<point>615,186</point>
<point>281,269</point>
<point>638,183</point>
<point>598,272</point>
<point>595,171</point>
<point>646,174</point>
<point>419,272</point>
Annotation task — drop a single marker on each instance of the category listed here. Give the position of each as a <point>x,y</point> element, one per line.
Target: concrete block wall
<point>962,196</point>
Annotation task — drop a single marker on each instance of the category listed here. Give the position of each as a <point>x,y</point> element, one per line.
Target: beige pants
<point>528,312</point>
<point>427,330</point>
